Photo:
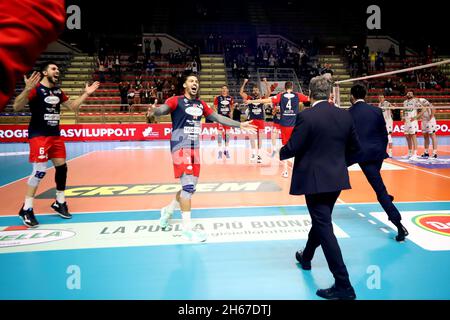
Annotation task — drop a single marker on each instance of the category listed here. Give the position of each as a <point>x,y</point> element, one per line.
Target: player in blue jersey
<point>45,99</point>
<point>186,112</point>
<point>223,105</point>
<point>289,102</point>
<point>256,113</point>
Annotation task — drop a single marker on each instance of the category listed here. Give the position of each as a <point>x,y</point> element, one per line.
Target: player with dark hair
<point>186,112</point>
<point>45,99</point>
<point>224,105</point>
<point>256,113</point>
<point>289,102</point>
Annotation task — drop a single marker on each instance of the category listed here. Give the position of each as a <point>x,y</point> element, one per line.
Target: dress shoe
<point>402,233</point>
<point>334,293</point>
<point>306,265</point>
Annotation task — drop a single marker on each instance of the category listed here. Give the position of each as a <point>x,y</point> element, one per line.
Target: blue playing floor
<point>249,253</point>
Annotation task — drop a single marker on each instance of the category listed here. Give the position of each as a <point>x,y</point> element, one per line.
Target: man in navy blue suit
<point>371,128</point>
<point>322,137</point>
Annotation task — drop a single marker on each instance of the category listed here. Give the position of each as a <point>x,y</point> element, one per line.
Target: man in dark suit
<point>371,128</point>
<point>322,137</point>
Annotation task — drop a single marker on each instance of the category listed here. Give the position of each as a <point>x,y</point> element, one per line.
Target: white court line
<point>384,230</point>
<point>372,222</point>
<point>5,185</point>
<point>221,208</point>
<point>17,153</point>
<point>362,215</point>
<point>410,167</point>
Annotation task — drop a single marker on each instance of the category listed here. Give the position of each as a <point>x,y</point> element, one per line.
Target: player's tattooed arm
<point>162,110</point>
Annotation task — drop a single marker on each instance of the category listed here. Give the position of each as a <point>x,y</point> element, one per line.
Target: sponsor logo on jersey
<point>289,95</point>
<point>52,100</point>
<point>52,117</point>
<point>194,111</point>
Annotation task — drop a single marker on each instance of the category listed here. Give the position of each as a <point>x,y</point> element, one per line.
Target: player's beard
<point>53,80</point>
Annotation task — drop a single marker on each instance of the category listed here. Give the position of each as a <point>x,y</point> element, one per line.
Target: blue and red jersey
<point>45,107</point>
<point>289,109</point>
<point>186,121</point>
<point>223,105</point>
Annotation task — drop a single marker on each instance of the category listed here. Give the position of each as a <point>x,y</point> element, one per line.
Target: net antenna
<point>336,90</point>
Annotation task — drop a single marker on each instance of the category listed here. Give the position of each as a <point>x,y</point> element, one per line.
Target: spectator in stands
<point>159,90</point>
<point>137,89</point>
<point>158,45</point>
<point>379,62</point>
<point>194,67</point>
<point>272,61</point>
<point>147,49</point>
<point>388,87</point>
<point>150,68</point>
<point>365,53</point>
<point>146,93</point>
<point>348,52</point>
<point>131,61</point>
<point>420,80</point>
<point>124,87</point>
<point>373,59</point>
<point>429,54</point>
<point>401,88</point>
<point>327,69</point>
<point>101,69</point>
<point>110,64</point>
<point>117,66</point>
<point>172,91</point>
<point>391,52</point>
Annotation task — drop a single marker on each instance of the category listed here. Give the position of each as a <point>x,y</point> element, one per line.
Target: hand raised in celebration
<point>32,81</point>
<point>89,89</point>
<point>151,108</point>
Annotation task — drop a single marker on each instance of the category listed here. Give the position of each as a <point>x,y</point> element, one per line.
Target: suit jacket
<point>371,129</point>
<point>322,137</point>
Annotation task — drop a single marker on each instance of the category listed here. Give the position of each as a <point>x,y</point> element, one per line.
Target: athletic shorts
<point>261,124</point>
<point>44,148</point>
<point>411,127</point>
<point>186,161</point>
<point>276,125</point>
<point>286,133</point>
<point>429,126</point>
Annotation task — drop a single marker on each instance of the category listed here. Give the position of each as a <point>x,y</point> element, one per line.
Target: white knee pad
<point>39,170</point>
<point>188,183</point>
